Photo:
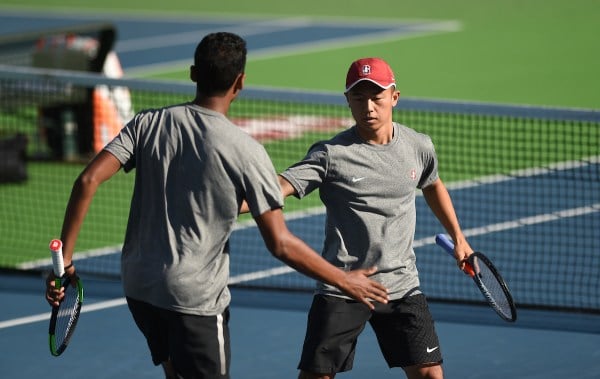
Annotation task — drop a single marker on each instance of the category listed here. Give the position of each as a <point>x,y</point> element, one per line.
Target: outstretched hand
<point>358,286</point>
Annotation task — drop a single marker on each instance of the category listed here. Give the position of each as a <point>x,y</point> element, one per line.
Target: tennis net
<point>525,182</point>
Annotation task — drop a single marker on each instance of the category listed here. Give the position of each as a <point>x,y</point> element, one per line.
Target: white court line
<point>46,316</point>
<point>518,223</point>
<point>397,30</point>
<point>281,270</point>
<point>24,320</point>
<point>83,255</point>
<point>122,301</point>
<point>185,38</point>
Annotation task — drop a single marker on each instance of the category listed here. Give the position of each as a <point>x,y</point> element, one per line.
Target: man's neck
<point>216,103</point>
<point>381,136</point>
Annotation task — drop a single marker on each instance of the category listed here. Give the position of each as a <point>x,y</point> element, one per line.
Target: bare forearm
<point>297,254</point>
<point>104,166</point>
<point>77,208</point>
<point>439,201</point>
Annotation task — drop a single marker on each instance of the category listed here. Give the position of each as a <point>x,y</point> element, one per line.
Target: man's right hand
<point>359,286</point>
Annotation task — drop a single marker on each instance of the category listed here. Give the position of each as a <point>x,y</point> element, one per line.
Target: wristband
<point>69,266</point>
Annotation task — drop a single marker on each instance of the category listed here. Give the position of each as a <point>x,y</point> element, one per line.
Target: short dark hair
<point>219,58</point>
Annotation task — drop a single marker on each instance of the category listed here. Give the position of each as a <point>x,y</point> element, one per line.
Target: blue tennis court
<point>267,330</point>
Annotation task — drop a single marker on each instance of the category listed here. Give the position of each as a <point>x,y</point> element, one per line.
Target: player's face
<point>372,107</point>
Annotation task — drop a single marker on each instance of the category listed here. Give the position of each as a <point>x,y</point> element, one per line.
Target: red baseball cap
<point>375,70</point>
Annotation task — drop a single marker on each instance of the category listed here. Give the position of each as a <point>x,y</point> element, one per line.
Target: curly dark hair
<point>219,58</point>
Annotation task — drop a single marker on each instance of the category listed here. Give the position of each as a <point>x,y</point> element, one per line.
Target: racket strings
<point>66,318</point>
<point>492,289</point>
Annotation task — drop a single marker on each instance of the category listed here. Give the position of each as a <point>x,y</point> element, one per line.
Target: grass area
<point>36,210</point>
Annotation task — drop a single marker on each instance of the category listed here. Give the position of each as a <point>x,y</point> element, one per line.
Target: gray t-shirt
<point>369,194</point>
<point>193,169</point>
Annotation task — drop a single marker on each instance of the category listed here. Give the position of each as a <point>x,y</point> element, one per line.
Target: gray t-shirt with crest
<point>369,194</point>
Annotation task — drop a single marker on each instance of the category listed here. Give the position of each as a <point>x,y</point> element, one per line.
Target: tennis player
<point>367,176</point>
<point>193,170</point>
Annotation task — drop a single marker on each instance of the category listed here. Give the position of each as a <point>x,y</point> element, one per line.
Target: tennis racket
<point>64,316</point>
<point>488,280</point>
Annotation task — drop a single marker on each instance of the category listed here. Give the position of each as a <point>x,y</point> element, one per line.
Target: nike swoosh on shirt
<point>432,349</point>
<point>354,180</point>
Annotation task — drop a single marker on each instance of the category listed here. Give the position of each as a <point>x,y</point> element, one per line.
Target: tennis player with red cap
<point>367,176</point>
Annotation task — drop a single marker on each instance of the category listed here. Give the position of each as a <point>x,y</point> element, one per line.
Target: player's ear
<point>193,74</point>
<point>395,96</point>
<point>238,84</point>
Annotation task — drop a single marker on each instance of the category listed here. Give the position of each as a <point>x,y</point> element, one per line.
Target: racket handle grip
<point>448,246</point>
<point>58,264</point>
<point>443,241</point>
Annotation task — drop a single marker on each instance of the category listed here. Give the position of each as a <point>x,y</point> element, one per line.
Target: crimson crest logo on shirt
<point>413,174</point>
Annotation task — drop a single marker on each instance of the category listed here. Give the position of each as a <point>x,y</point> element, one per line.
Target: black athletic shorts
<point>198,346</point>
<point>404,329</point>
